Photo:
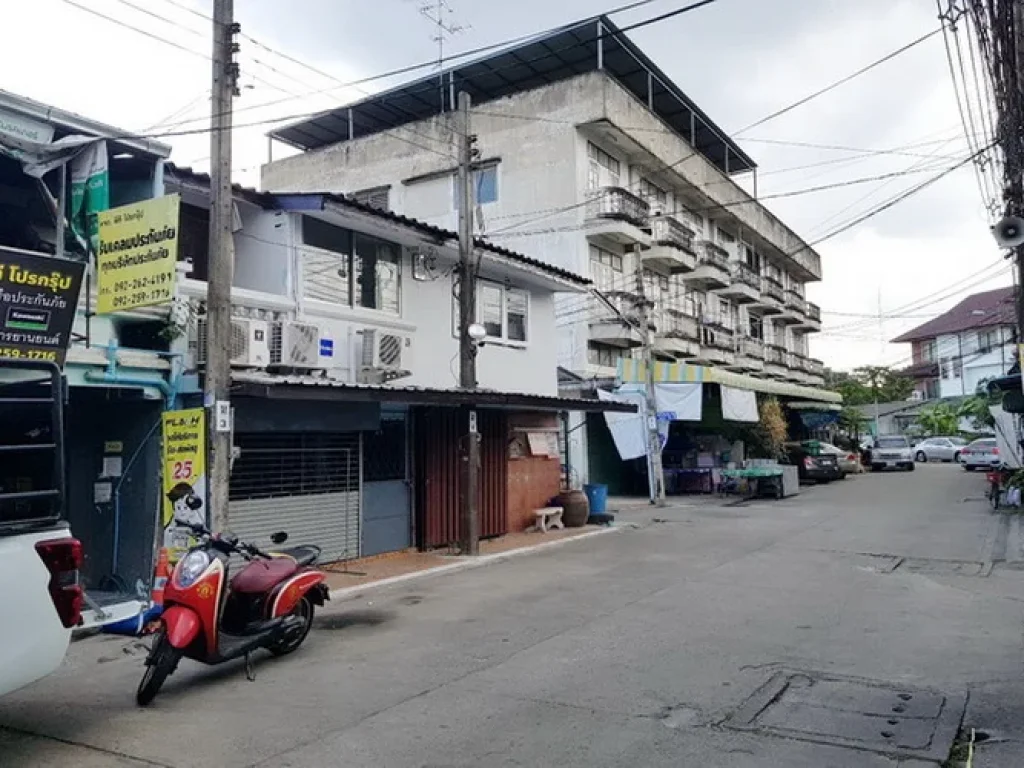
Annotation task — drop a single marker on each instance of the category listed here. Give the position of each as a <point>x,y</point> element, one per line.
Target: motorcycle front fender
<point>182,625</point>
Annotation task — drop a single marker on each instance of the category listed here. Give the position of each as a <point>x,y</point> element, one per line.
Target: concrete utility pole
<point>468,512</point>
<point>221,265</point>
<point>655,472</point>
<point>1015,157</point>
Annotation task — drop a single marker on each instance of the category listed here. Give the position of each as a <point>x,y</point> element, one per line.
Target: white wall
<point>976,366</point>
<point>426,316</point>
<point>261,251</point>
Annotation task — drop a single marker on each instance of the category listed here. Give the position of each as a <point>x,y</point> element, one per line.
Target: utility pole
<point>1014,154</point>
<point>655,473</point>
<point>468,512</point>
<point>221,264</point>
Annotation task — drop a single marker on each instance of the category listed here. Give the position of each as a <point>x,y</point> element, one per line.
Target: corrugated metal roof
<point>272,200</point>
<point>589,45</point>
<point>262,383</point>
<point>980,310</point>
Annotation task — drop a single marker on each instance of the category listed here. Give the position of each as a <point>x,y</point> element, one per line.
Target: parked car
<point>813,462</point>
<point>849,461</point>
<point>892,451</point>
<point>939,449</point>
<point>983,453</point>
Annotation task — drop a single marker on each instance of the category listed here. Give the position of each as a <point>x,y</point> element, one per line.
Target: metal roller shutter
<point>304,483</point>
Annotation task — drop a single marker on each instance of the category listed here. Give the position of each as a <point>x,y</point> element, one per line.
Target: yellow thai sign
<point>184,486</point>
<point>138,253</point>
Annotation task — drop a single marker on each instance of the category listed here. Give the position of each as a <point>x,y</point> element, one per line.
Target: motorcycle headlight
<point>191,568</point>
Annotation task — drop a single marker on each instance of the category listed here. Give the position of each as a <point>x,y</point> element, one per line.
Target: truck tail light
<point>63,558</point>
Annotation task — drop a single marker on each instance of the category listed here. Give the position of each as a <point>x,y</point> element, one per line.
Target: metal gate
<point>439,475</point>
<point>307,484</point>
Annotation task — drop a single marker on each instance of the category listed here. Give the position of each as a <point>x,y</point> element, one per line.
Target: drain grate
<point>840,711</point>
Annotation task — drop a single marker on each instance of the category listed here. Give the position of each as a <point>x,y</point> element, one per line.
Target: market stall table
<point>761,479</point>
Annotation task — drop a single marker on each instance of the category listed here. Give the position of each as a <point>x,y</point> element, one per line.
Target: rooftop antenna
<point>441,16</point>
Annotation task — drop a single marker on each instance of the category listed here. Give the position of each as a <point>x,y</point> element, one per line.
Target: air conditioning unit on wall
<point>295,345</point>
<point>385,356</point>
<point>250,342</point>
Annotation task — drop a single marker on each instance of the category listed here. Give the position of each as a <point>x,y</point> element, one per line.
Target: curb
<point>350,593</point>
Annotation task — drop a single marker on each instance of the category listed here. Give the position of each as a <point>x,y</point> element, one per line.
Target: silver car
<point>981,454</point>
<point>939,449</point>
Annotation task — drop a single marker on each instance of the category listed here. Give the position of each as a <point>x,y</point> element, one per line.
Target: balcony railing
<point>621,204</point>
<point>741,273</point>
<point>668,230</point>
<point>751,347</point>
<point>625,304</point>
<point>773,288</point>
<point>794,300</point>
<point>774,354</point>
<point>796,361</point>
<point>814,367</point>
<point>714,254</point>
<point>814,311</point>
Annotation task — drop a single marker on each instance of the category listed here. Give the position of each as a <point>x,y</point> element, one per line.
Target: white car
<point>939,449</point>
<point>892,451</point>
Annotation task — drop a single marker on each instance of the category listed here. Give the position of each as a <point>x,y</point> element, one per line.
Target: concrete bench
<point>548,518</point>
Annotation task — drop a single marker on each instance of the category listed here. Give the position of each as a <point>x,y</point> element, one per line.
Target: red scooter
<point>268,604</point>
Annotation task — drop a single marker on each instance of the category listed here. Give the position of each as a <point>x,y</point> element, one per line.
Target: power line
<point>841,81</point>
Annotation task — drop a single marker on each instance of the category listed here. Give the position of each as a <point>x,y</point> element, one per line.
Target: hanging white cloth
<point>739,404</point>
<point>627,428</point>
<point>679,401</point>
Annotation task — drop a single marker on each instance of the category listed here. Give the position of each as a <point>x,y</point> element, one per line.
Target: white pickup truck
<point>40,597</point>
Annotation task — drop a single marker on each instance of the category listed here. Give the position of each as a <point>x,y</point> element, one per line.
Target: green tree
<point>869,383</point>
<point>976,409</point>
<point>939,419</point>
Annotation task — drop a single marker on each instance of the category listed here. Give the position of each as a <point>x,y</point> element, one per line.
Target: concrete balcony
<point>770,300</point>
<point>795,367</point>
<point>678,333</point>
<point>609,327</point>
<point>745,287</point>
<point>717,342</point>
<point>775,361</point>
<point>811,321</point>
<point>749,355</point>
<point>793,308</point>
<point>712,271</point>
<point>616,215</point>
<point>815,370</point>
<point>671,245</point>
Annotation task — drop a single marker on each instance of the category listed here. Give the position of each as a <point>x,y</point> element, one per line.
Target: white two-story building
<point>590,158</point>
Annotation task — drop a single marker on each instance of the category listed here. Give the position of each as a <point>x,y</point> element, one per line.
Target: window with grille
<point>604,170</point>
<point>294,464</point>
<point>503,311</point>
<point>654,195</point>
<point>606,269</point>
<point>384,452</point>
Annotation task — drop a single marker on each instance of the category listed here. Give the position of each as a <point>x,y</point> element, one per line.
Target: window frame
<point>475,181</point>
<point>348,259</point>
<point>504,291</point>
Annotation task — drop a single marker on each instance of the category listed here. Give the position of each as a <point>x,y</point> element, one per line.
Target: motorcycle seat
<point>305,554</point>
<point>261,575</point>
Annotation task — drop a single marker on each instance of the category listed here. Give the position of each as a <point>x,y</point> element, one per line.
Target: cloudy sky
<point>739,59</point>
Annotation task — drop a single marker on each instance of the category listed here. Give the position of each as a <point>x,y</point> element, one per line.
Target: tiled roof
<point>268,200</point>
<point>981,310</point>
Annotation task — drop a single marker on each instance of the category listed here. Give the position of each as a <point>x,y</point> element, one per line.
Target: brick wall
<point>532,480</point>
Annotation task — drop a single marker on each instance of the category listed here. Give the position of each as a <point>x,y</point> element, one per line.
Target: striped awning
<point>634,371</point>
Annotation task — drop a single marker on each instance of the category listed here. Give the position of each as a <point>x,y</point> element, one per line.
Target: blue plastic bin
<point>597,497</point>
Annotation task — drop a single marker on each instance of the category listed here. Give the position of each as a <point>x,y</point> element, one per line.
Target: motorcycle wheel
<point>289,643</point>
<point>162,660</point>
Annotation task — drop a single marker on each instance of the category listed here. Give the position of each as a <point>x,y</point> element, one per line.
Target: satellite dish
<point>1009,232</point>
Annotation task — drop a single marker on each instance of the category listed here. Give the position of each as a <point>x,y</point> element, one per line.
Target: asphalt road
<point>642,647</point>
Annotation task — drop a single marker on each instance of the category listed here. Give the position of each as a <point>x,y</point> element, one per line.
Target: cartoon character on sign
<point>187,505</point>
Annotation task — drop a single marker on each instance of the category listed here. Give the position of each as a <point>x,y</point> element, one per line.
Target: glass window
<point>485,185</point>
<point>336,253</point>
<point>377,267</point>
<point>515,310</point>
<point>489,309</point>
<point>653,194</point>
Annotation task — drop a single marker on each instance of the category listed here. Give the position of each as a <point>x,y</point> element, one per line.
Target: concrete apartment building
<point>973,342</point>
<point>589,158</point>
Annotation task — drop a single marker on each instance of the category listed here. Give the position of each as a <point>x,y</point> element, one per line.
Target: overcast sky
<point>738,59</point>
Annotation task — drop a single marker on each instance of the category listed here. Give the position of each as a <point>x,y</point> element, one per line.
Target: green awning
<point>634,371</point>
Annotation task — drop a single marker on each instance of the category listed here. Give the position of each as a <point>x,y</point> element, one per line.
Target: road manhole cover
<point>905,721</point>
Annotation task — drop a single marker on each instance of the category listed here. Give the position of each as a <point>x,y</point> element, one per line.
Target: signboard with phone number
<point>38,300</point>
<point>184,470</point>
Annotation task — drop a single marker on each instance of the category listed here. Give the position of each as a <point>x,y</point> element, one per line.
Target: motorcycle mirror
<point>279,538</point>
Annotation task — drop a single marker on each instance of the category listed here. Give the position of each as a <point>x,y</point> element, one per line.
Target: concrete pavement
<point>647,648</point>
